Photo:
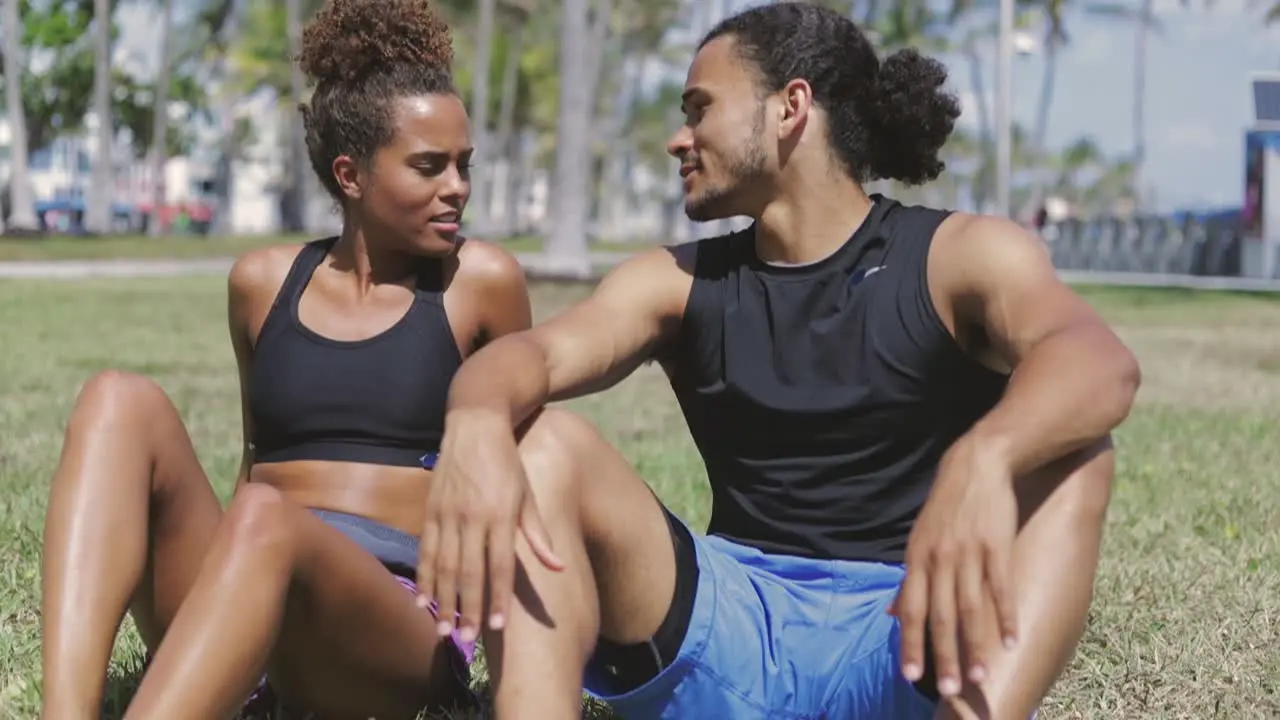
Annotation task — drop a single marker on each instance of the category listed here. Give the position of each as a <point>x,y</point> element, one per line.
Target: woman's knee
<point>260,523</point>
<point>119,396</point>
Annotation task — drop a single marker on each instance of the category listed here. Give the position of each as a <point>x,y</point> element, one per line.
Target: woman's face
<point>417,186</point>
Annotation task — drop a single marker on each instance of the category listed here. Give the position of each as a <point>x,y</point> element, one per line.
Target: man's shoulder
<point>975,256</point>
<point>916,220</point>
<point>710,256</point>
<point>652,280</point>
<point>974,240</point>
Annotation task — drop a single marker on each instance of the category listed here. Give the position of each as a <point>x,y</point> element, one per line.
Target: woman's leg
<point>281,590</point>
<point>130,516</point>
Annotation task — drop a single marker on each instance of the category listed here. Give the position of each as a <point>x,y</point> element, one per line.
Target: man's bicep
<point>1006,283</point>
<point>596,343</point>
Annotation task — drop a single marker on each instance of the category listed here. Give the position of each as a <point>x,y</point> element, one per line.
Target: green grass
<point>137,248</point>
<point>1184,623</point>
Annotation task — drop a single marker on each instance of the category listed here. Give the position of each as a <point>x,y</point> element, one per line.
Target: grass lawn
<point>134,248</point>
<point>1185,618</point>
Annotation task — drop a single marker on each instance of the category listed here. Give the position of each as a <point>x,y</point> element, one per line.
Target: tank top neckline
<point>860,239</point>
<point>316,254</point>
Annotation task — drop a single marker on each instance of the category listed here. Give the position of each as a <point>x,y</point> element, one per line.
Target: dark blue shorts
<point>774,636</point>
<point>396,550</point>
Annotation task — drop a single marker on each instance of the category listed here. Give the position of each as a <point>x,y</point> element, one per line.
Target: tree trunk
<point>986,138</point>
<point>597,37</point>
<point>481,181</point>
<point>524,178</point>
<point>614,193</point>
<point>1140,100</point>
<point>297,219</point>
<point>506,142</point>
<point>228,97</point>
<point>160,125</point>
<point>98,216</point>
<point>22,210</point>
<point>1040,137</point>
<point>566,246</point>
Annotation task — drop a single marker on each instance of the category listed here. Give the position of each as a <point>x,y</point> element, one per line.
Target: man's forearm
<point>508,376</point>
<point>1067,393</point>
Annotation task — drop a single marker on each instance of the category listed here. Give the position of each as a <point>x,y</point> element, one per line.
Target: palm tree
<point>1146,22</point>
<point>22,213</point>
<point>160,126</point>
<point>480,186</point>
<point>98,215</point>
<point>566,247</point>
<point>1140,92</point>
<point>220,22</point>
<point>632,48</point>
<point>1055,36</point>
<point>517,13</point>
<point>296,220</point>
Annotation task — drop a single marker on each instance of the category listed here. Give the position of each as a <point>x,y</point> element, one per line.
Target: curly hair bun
<point>915,114</point>
<point>350,39</point>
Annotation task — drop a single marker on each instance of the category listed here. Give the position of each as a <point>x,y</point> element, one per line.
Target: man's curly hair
<point>362,55</point>
<point>887,118</point>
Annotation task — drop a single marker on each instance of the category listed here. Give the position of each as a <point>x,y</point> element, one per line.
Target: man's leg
<point>619,580</point>
<point>1063,508</point>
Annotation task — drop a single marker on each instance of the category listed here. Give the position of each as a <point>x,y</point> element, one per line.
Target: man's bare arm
<point>587,348</point>
<point>1072,383</point>
<point>1073,380</point>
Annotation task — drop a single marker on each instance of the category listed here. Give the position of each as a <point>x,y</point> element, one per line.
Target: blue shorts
<point>775,636</point>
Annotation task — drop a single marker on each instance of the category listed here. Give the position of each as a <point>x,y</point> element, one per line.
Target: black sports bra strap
<point>304,264</point>
<point>309,258</point>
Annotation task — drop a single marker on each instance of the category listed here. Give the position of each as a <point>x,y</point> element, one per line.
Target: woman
<point>346,348</point>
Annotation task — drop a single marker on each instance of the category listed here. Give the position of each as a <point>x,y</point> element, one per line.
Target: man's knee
<point>555,448</point>
<point>1076,488</point>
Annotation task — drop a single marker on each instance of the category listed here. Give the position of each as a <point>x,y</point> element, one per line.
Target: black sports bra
<point>380,400</point>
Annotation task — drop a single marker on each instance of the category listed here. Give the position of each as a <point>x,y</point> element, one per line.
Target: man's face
<point>722,150</point>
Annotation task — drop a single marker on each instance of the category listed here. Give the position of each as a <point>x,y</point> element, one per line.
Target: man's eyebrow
<point>690,94</point>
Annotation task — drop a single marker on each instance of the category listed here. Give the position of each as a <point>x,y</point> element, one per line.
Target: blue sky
<point>1199,101</point>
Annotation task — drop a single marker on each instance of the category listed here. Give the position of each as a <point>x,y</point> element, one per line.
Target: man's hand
<point>958,557</point>
<point>478,497</point>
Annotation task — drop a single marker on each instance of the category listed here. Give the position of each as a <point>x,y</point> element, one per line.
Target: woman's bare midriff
<point>390,495</point>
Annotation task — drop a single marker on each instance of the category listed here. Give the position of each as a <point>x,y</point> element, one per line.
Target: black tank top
<point>822,396</point>
<point>380,400</point>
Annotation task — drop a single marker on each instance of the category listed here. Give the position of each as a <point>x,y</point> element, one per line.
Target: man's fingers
<point>973,616</point>
<point>471,577</point>
<point>446,591</point>
<point>502,571</point>
<point>428,549</point>
<point>999,579</point>
<point>912,607</point>
<point>536,535</point>
<point>942,623</point>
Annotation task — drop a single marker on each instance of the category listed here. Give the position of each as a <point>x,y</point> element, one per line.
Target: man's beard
<point>716,201</point>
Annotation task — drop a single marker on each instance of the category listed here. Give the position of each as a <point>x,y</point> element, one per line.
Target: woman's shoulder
<point>488,264</point>
<point>262,270</point>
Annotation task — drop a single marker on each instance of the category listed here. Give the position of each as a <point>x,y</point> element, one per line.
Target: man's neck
<point>810,220</point>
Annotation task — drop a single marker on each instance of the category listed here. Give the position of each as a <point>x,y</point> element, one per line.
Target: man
<point>903,413</point>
